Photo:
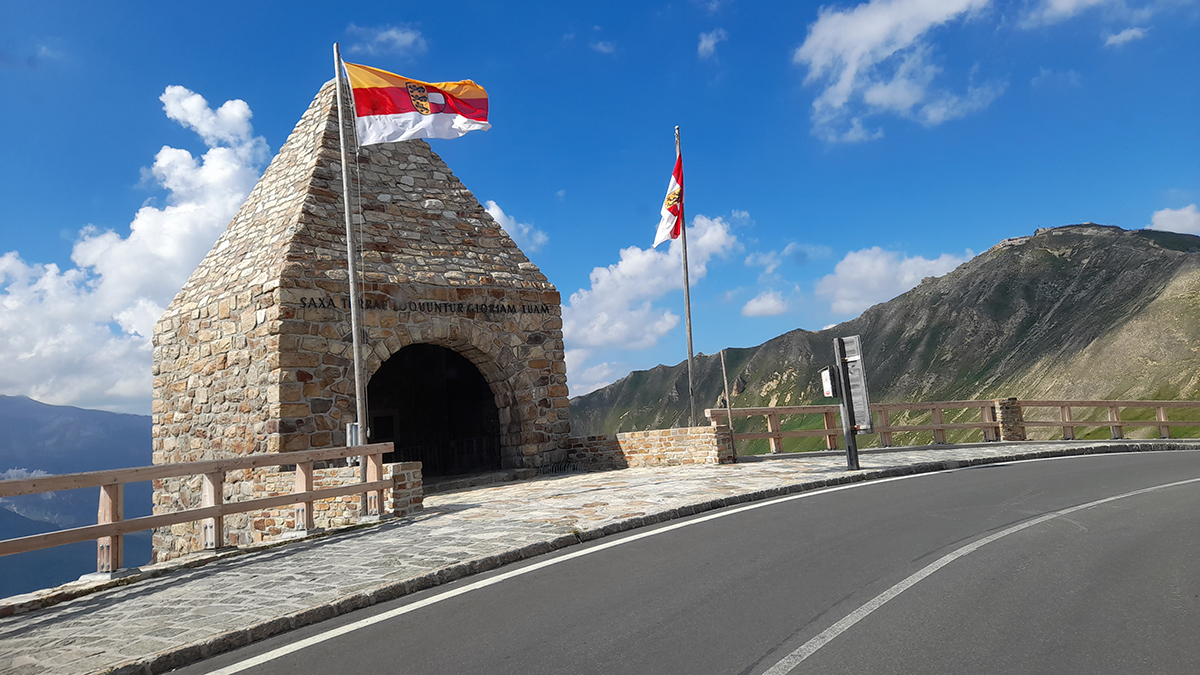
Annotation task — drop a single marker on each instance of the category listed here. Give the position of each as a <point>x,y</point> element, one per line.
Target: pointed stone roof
<point>418,223</point>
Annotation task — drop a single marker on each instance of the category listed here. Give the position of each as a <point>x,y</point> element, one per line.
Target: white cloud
<point>1127,35</point>
<point>561,194</point>
<point>404,40</point>
<point>797,253</point>
<point>767,303</point>
<point>873,275</point>
<point>769,261</point>
<point>528,237</point>
<point>1046,77</point>
<point>603,47</point>
<point>875,58</point>
<point>81,336</point>
<point>1048,12</point>
<point>708,43</point>
<point>586,380</point>
<point>18,474</point>
<point>856,133</point>
<point>1184,221</point>
<point>617,310</point>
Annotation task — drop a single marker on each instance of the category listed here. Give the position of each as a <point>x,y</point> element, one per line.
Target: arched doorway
<point>437,408</point>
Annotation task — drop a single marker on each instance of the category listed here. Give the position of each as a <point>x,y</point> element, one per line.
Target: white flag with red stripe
<point>671,224</point>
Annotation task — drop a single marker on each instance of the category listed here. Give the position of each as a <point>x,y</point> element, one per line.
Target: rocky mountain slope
<point>41,438</point>
<point>1082,311</point>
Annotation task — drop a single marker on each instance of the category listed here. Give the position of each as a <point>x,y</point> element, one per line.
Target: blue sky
<point>833,154</point>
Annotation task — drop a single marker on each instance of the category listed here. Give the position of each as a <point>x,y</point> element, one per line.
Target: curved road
<point>1086,564</point>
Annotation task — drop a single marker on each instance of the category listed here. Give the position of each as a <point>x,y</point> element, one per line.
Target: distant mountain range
<point>40,438</point>
<point>1075,312</point>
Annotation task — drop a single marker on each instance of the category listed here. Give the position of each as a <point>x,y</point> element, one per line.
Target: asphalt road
<point>978,570</point>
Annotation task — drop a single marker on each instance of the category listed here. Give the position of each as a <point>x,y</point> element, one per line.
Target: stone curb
<point>31,602</point>
<point>188,654</point>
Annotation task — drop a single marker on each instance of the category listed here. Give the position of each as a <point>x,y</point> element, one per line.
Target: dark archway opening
<point>435,406</point>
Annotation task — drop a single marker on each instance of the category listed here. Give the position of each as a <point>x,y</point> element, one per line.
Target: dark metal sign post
<point>851,378</point>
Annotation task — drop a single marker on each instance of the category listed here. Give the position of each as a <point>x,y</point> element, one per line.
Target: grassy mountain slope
<point>1082,311</point>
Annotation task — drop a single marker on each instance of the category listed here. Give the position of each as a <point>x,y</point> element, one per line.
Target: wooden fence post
<point>110,551</point>
<point>213,494</point>
<point>774,428</point>
<point>1068,429</point>
<point>374,473</point>
<point>987,415</point>
<point>1114,415</point>
<point>304,510</point>
<point>885,436</point>
<point>1164,431</point>
<point>939,435</point>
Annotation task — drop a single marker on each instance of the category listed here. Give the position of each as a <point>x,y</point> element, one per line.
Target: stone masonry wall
<point>661,447</point>
<point>254,354</point>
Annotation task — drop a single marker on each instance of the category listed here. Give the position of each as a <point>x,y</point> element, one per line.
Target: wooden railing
<point>1116,425</point>
<point>111,526</point>
<point>989,422</point>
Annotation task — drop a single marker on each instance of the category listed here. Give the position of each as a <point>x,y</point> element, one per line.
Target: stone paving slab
<point>187,613</point>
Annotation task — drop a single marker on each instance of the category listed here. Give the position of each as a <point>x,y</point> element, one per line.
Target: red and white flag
<point>390,108</point>
<point>672,209</point>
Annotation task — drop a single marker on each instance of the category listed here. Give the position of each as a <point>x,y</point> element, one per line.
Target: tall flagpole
<point>360,392</point>
<point>687,295</point>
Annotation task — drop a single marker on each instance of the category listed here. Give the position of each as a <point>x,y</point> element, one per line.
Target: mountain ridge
<point>1078,311</point>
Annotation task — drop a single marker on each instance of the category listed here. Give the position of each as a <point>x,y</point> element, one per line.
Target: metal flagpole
<point>360,393</point>
<point>728,406</point>
<point>687,294</point>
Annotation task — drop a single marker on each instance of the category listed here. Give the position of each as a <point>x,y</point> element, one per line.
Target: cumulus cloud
<point>708,43</point>
<point>81,335</point>
<point>603,47</point>
<point>1184,221</point>
<point>767,303</point>
<point>618,310</point>
<point>1127,35</point>
<point>528,237</point>
<point>876,58</point>
<point>404,40</point>
<point>873,275</point>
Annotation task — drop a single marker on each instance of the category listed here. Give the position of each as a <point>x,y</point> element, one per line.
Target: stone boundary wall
<point>254,527</point>
<point>681,446</point>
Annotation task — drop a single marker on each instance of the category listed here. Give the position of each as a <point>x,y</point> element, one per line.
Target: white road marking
<point>484,583</point>
<point>791,661</point>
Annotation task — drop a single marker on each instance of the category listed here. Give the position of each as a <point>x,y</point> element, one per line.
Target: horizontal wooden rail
<point>111,528</point>
<point>831,426</point>
<point>74,535</point>
<point>1068,422</point>
<point>1108,404</point>
<point>989,422</point>
<point>70,481</point>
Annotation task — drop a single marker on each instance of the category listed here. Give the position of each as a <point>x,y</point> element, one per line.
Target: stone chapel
<point>463,334</point>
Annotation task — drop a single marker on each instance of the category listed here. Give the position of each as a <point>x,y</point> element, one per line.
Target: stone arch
<point>484,349</point>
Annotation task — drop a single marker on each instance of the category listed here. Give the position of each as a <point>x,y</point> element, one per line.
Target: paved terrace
<point>178,613</point>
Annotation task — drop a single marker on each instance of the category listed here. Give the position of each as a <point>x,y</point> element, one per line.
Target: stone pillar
<point>408,493</point>
<point>1008,416</point>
